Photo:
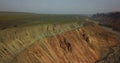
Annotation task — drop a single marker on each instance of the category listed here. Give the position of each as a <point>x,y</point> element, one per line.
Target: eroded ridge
<point>88,44</point>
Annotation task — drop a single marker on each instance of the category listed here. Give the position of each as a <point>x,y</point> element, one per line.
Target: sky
<point>60,6</point>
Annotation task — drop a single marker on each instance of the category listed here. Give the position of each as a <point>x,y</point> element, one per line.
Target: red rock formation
<point>89,44</point>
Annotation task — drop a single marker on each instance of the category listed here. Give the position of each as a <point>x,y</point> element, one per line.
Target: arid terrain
<point>111,19</point>
<point>35,38</point>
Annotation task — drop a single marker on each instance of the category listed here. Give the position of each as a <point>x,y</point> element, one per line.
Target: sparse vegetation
<point>11,20</point>
<point>26,37</point>
<point>20,30</point>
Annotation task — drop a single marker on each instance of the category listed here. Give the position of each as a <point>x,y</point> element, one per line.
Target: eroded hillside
<point>34,38</point>
<point>64,43</point>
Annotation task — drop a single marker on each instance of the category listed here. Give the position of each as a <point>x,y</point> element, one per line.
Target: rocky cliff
<point>61,43</point>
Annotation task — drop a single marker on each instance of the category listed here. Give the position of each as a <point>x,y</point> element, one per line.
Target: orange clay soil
<point>88,44</point>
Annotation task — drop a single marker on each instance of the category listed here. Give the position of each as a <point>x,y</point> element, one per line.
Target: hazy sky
<point>60,6</point>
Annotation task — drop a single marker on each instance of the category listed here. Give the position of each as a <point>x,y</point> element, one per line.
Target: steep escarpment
<point>85,44</point>
<point>14,40</point>
<point>108,19</point>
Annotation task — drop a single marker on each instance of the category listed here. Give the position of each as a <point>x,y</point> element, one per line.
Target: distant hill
<point>111,19</point>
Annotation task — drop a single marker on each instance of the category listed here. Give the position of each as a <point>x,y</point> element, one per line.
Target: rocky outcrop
<point>66,43</point>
